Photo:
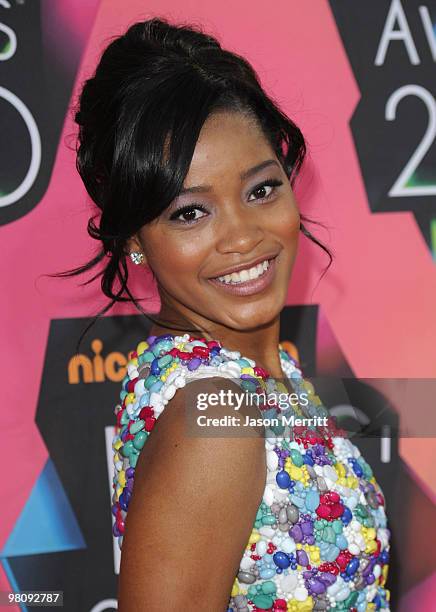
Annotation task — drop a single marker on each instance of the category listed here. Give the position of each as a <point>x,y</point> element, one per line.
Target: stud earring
<point>137,257</point>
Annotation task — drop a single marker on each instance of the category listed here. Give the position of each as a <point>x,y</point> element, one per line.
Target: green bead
<point>296,457</point>
<point>243,363</point>
<point>351,600</point>
<point>268,588</point>
<point>124,418</point>
<point>337,527</point>
<point>164,361</point>
<point>127,449</point>
<point>263,601</point>
<point>135,427</point>
<point>150,380</point>
<point>329,535</point>
<point>147,357</point>
<point>247,385</point>
<point>269,519</point>
<point>252,591</point>
<point>133,459</point>
<point>139,440</point>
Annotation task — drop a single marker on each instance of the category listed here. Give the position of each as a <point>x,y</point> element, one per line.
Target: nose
<point>239,232</point>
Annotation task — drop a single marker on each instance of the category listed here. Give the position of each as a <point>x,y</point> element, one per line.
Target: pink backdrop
<point>379,297</point>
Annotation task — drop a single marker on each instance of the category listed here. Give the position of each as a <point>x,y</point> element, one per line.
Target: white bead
<point>268,495</point>
<point>288,546</point>
<point>169,392</point>
<point>266,531</point>
<point>261,547</point>
<point>179,382</point>
<point>354,549</point>
<point>301,593</point>
<point>330,473</point>
<point>272,460</point>
<point>289,582</point>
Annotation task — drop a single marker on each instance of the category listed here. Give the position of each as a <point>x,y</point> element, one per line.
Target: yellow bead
<point>309,387</point>
<point>371,547</point>
<point>130,398</point>
<point>340,469</point>
<point>235,589</point>
<point>371,534</point>
<point>295,472</point>
<point>133,361</point>
<point>118,492</point>
<point>316,400</point>
<point>247,370</point>
<point>385,571</point>
<point>122,478</point>
<point>142,346</point>
<point>281,388</point>
<point>254,537</point>
<point>118,444</point>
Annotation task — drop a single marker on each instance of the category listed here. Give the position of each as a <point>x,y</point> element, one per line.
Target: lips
<point>251,286</point>
<point>245,266</point>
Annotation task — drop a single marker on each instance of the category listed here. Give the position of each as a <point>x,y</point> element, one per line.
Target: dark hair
<point>139,120</point>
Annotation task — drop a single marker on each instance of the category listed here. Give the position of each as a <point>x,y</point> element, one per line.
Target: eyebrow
<point>244,175</point>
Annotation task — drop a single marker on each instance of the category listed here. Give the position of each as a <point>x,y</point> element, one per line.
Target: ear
<point>134,245</point>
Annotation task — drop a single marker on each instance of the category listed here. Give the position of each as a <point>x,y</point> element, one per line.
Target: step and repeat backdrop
<point>359,79</point>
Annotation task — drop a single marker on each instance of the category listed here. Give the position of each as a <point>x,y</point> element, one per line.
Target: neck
<point>259,344</point>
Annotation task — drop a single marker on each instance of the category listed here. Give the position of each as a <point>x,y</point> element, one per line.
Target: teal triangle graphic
<point>47,522</point>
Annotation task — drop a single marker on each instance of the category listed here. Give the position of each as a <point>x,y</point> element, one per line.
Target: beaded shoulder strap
<point>156,369</point>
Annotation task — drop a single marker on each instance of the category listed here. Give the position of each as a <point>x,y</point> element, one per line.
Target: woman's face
<point>236,211</point>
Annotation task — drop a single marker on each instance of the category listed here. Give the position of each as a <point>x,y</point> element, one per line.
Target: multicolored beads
<point>320,539</point>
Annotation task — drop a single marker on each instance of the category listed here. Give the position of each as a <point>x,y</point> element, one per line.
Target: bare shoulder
<point>193,506</point>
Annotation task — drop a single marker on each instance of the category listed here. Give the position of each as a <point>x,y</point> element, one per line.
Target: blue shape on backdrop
<point>47,522</point>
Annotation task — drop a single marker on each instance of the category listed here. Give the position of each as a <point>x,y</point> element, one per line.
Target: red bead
<point>174,351</point>
<point>147,411</point>
<point>119,415</point>
<point>213,343</point>
<point>149,423</point>
<point>336,510</point>
<point>201,351</point>
<point>184,355</point>
<point>323,511</point>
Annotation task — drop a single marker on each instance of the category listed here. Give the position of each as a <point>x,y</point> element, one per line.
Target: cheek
<point>286,223</point>
<point>173,255</point>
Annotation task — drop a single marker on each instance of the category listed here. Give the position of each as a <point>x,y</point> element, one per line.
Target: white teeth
<point>244,275</point>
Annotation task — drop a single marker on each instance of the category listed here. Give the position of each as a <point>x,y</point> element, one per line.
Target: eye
<point>188,213</point>
<point>264,190</point>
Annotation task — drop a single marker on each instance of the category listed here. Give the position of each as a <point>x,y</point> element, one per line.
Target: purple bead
<point>130,472</point>
<point>307,528</point>
<point>316,586</point>
<point>370,579</point>
<point>194,363</point>
<point>115,509</point>
<point>327,578</point>
<point>302,558</point>
<point>296,533</point>
<point>130,482</point>
<point>150,340</point>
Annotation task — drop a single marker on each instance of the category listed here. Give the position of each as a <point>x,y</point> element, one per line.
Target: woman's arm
<point>192,511</point>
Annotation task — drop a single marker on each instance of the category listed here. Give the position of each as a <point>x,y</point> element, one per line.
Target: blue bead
<point>283,479</point>
<point>307,459</point>
<point>346,516</point>
<point>154,368</point>
<point>352,567</point>
<point>357,469</point>
<point>281,559</point>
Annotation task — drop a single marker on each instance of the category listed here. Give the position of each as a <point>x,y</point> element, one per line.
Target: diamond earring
<point>137,257</point>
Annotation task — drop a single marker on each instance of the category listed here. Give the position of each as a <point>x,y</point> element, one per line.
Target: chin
<point>253,316</point>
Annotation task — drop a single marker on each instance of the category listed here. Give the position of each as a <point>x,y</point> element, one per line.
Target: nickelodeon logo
<point>99,368</point>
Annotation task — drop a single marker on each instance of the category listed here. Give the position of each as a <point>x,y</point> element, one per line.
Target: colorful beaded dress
<point>320,539</point>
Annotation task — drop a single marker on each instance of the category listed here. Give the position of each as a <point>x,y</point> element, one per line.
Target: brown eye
<point>188,214</point>
<point>264,190</point>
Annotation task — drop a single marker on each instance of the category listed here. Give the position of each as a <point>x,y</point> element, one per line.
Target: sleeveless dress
<point>320,539</point>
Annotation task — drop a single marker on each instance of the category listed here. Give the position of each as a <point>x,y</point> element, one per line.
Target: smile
<point>248,281</point>
<point>243,276</point>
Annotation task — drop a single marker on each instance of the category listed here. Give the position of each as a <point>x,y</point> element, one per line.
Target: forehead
<point>229,143</point>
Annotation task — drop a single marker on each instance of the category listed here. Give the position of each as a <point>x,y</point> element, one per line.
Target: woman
<point>192,166</point>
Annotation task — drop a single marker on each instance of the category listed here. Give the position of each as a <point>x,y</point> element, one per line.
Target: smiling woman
<point>193,165</point>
